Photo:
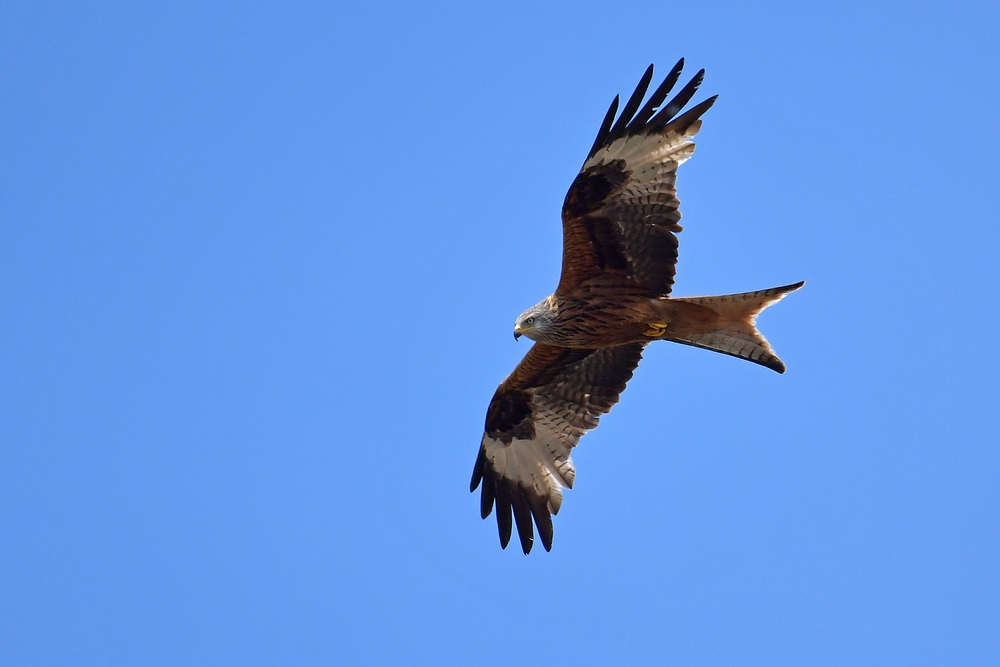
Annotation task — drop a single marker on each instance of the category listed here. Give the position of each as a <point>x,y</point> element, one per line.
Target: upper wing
<point>538,415</point>
<point>620,215</point>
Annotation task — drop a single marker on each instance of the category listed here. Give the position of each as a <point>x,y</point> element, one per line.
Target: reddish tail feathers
<point>726,324</point>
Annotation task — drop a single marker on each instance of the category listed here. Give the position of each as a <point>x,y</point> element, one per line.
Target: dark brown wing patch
<point>592,243</point>
<point>592,187</point>
<point>509,416</point>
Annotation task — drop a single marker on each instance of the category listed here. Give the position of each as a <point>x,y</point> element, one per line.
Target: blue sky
<point>259,268</point>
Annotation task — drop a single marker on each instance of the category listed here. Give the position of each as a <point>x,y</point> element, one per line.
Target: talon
<point>655,329</point>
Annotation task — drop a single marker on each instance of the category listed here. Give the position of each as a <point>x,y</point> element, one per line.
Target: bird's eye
<point>530,320</point>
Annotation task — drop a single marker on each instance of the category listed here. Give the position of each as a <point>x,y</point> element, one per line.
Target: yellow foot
<point>655,329</point>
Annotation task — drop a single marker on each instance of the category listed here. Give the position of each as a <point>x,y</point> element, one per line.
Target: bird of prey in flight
<point>620,225</point>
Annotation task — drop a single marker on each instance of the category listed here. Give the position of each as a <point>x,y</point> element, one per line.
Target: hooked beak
<point>517,331</point>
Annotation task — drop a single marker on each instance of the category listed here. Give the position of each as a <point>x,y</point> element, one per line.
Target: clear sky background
<point>259,268</point>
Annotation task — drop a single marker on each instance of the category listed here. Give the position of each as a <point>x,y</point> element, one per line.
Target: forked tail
<point>726,324</point>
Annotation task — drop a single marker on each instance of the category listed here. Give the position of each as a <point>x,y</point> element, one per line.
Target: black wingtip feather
<point>504,519</point>
<point>605,127</point>
<point>685,120</point>
<point>489,494</point>
<point>477,470</point>
<point>655,100</point>
<point>540,510</point>
<point>631,106</point>
<point>522,516</point>
<point>676,104</point>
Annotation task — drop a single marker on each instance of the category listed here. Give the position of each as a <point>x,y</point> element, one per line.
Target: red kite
<point>620,225</point>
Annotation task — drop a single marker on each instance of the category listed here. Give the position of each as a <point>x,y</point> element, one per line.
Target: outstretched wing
<point>538,415</point>
<point>621,214</point>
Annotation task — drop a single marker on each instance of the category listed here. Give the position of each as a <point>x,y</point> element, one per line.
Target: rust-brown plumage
<point>620,224</point>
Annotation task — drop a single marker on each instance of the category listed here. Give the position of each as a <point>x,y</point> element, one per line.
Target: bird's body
<point>597,316</point>
<point>604,315</point>
<point>620,221</point>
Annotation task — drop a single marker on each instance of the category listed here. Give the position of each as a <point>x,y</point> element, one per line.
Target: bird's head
<point>536,321</point>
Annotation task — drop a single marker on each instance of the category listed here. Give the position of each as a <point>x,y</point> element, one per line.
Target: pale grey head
<point>537,321</point>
